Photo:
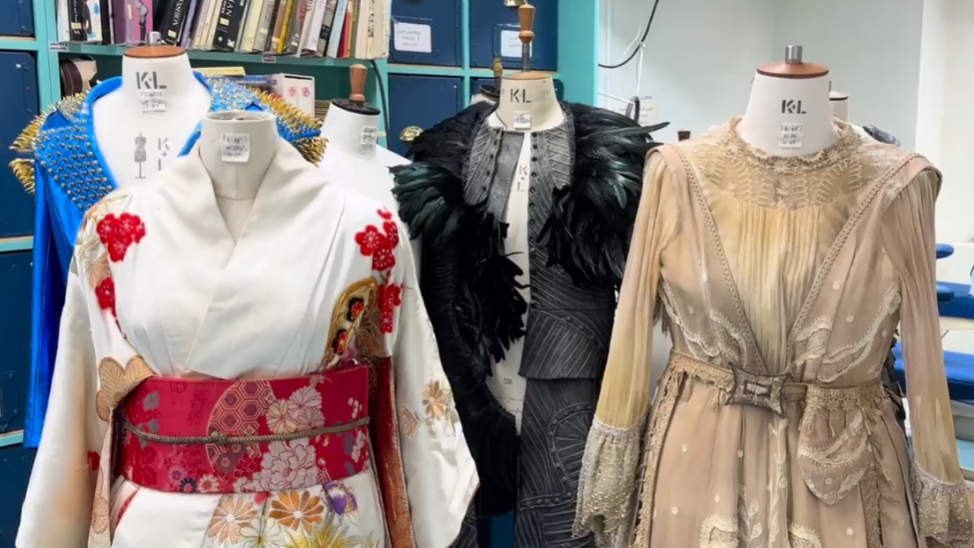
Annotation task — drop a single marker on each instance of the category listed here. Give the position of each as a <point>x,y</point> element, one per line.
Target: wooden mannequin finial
<point>683,134</point>
<point>526,14</point>
<point>358,74</point>
<point>155,49</point>
<point>793,66</point>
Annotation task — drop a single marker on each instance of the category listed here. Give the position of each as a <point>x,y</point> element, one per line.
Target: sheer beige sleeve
<point>612,454</point>
<point>938,486</point>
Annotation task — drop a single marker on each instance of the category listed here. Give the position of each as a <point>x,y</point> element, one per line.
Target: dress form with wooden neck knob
<point>788,113</point>
<point>527,100</point>
<point>147,120</point>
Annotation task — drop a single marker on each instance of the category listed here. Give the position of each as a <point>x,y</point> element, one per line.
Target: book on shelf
<point>308,28</point>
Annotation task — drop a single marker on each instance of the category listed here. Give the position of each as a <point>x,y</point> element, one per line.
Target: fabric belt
<point>248,436</point>
<point>737,386</point>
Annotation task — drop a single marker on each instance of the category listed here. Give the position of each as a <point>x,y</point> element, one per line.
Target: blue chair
<point>953,301</point>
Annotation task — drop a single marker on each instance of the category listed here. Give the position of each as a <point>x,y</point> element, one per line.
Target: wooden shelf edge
<point>23,243</point>
<point>17,43</point>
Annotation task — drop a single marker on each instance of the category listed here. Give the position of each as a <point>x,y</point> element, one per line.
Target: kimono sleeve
<point>441,476</point>
<point>58,507</point>
<point>939,489</point>
<point>612,453</point>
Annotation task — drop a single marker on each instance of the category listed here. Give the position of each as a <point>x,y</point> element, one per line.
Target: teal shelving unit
<point>577,48</point>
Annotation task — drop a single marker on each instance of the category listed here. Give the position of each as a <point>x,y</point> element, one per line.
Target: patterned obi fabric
<point>248,436</point>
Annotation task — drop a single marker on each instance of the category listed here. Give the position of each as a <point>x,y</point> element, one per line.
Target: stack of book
<point>314,28</point>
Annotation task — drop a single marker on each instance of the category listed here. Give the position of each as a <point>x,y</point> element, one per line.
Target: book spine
<point>76,26</point>
<point>190,24</point>
<point>209,24</point>
<point>248,33</point>
<point>220,35</point>
<point>280,26</point>
<point>351,20</point>
<point>296,26</point>
<point>265,25</point>
<point>334,39</point>
<point>237,23</point>
<point>105,19</point>
<point>312,28</point>
<point>326,23</point>
<point>171,24</point>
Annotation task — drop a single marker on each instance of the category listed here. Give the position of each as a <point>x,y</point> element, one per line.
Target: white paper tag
<point>268,58</point>
<point>153,100</point>
<point>413,37</point>
<point>522,119</point>
<point>235,148</point>
<point>511,45</point>
<point>790,135</point>
<point>57,46</point>
<point>369,136</point>
<point>648,111</point>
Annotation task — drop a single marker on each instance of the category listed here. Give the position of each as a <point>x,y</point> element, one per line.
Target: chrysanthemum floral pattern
<point>438,410</point>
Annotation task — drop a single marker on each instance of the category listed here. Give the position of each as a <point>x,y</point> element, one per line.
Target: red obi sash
<point>216,436</point>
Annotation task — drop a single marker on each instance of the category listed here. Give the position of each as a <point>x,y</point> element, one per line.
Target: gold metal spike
<point>296,120</point>
<point>26,142</point>
<point>514,3</point>
<point>409,134</point>
<point>24,172</point>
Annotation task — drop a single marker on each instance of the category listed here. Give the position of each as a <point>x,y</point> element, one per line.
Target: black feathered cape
<point>468,282</point>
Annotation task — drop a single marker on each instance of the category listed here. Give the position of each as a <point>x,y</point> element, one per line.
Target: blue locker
<point>494,28</point>
<point>18,95</point>
<point>425,32</point>
<point>15,465</point>
<point>16,18</point>
<point>15,302</point>
<point>420,101</point>
<point>475,84</point>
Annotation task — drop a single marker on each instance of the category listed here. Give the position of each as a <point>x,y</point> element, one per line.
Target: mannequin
<point>525,209</point>
<point>788,113</point>
<point>116,135</point>
<point>237,173</point>
<point>839,102</point>
<point>144,124</point>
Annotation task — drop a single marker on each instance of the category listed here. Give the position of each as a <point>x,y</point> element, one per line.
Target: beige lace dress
<point>781,281</point>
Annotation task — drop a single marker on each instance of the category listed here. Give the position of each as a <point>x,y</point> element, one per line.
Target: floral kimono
<point>281,391</point>
<point>68,176</point>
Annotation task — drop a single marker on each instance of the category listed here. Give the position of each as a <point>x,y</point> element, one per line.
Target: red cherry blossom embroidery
<point>390,297</point>
<point>380,245</point>
<point>119,233</point>
<point>94,461</point>
<point>105,293</point>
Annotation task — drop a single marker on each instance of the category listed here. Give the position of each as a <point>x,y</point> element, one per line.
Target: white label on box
<point>368,136</point>
<point>648,111</point>
<point>522,119</point>
<point>790,135</point>
<point>235,148</point>
<point>413,37</point>
<point>511,44</point>
<point>268,58</point>
<point>153,100</point>
<point>57,46</point>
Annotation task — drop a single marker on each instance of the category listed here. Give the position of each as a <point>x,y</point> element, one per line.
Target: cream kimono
<point>782,281</point>
<point>319,289</point>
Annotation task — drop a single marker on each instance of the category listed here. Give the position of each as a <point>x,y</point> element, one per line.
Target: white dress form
<point>525,106</point>
<point>144,124</point>
<point>788,113</point>
<point>237,147</point>
<point>839,103</point>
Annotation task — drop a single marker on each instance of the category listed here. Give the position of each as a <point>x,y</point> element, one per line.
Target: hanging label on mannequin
<point>369,136</point>
<point>235,148</point>
<point>153,100</point>
<point>522,119</point>
<point>790,136</point>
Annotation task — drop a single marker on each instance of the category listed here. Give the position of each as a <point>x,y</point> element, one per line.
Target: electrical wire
<point>642,41</point>
<point>382,97</point>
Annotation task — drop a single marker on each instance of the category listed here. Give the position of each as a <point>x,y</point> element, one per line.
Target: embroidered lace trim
<point>836,153</point>
<point>605,485</point>
<point>943,509</point>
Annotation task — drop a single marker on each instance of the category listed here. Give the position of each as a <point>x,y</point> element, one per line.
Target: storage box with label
<point>297,90</point>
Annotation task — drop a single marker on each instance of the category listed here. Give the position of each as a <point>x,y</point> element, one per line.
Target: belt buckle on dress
<point>758,390</point>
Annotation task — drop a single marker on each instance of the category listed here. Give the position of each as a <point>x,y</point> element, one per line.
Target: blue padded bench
<point>960,373</point>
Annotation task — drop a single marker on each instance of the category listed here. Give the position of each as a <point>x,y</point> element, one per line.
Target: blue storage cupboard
<point>493,31</point>
<point>420,101</point>
<point>426,32</point>
<point>18,95</point>
<point>16,18</point>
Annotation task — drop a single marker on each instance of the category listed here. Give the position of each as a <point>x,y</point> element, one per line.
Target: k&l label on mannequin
<point>151,92</point>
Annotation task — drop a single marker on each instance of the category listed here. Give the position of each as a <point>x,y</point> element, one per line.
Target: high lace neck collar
<point>835,153</point>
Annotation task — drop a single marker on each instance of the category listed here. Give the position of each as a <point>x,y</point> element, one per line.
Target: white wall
<point>701,55</point>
